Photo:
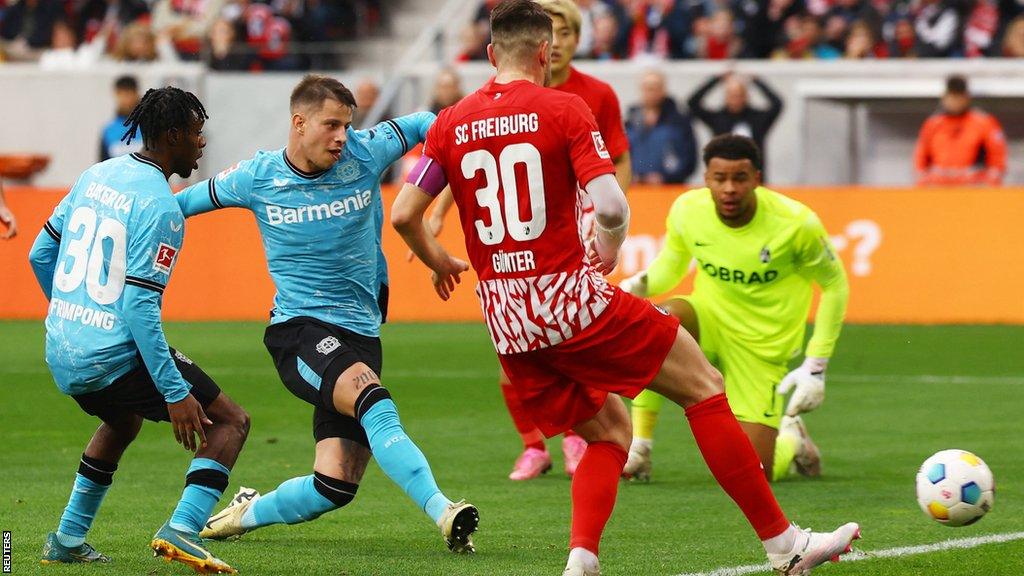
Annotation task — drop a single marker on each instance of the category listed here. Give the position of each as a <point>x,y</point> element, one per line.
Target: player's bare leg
<point>358,393</point>
<point>647,405</point>
<point>595,484</point>
<point>226,436</point>
<point>688,379</point>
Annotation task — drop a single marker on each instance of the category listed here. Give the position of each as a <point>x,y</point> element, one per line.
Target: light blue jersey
<point>321,231</point>
<point>103,259</point>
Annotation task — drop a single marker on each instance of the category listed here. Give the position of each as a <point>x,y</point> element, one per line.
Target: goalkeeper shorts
<point>751,381</point>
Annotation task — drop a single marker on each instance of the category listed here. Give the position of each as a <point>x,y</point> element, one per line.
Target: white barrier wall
<point>844,122</point>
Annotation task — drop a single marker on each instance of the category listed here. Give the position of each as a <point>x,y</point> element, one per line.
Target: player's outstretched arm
<point>407,218</point>
<point>231,188</point>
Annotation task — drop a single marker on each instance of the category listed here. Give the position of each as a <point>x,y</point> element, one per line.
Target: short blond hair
<point>567,9</point>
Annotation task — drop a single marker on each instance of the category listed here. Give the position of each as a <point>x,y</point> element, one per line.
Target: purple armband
<point>428,175</point>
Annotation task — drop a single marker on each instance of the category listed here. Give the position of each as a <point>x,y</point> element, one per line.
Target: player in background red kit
<point>571,344</point>
<point>602,101</point>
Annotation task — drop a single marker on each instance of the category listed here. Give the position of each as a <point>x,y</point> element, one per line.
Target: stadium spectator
<point>960,144</point>
<point>222,54</point>
<point>472,43</point>
<point>66,54</point>
<point>862,43</point>
<point>1013,39</point>
<point>717,39</point>
<point>737,116</point>
<point>447,90</point>
<point>980,29</point>
<point>590,12</point>
<point>804,40</point>
<point>662,28</point>
<point>137,43</point>
<point>900,35</point>
<point>367,92</point>
<point>940,28</point>
<point>27,26</point>
<point>852,11</point>
<point>606,31</point>
<point>97,15</point>
<point>187,22</point>
<point>664,150</point>
<point>126,97</point>
<point>762,24</point>
<point>7,219</point>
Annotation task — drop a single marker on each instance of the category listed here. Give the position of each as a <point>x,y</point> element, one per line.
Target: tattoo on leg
<point>355,457</point>
<point>364,379</point>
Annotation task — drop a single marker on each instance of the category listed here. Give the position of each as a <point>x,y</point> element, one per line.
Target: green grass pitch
<point>895,396</point>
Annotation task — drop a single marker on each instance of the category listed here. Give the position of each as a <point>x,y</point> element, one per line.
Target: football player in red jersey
<point>601,99</point>
<point>514,153</point>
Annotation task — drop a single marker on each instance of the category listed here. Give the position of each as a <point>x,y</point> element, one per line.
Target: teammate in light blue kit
<point>318,206</point>
<point>103,259</point>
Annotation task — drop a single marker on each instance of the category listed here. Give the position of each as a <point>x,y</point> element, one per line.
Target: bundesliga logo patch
<point>328,345</point>
<point>164,258</point>
<point>602,150</point>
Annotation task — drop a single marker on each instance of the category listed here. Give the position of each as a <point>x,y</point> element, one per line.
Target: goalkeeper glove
<point>807,384</point>
<point>635,284</point>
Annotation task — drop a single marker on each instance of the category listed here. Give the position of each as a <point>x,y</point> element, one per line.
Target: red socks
<point>532,437</point>
<point>594,487</point>
<point>734,463</point>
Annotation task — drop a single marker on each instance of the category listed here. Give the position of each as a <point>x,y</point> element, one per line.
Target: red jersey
<point>949,149</point>
<point>603,102</point>
<point>513,154</point>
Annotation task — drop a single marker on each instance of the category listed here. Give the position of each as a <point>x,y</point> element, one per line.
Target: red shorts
<point>620,353</point>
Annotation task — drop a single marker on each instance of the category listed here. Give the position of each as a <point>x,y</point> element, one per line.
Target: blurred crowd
<point>241,35</point>
<point>786,29</point>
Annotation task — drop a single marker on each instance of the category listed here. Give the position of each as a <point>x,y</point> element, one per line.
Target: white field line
<point>857,555</point>
<point>927,379</point>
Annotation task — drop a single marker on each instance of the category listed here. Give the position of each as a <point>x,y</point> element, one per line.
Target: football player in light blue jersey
<point>103,259</point>
<point>317,203</point>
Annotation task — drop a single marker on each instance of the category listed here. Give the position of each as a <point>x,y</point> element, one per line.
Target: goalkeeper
<point>756,253</point>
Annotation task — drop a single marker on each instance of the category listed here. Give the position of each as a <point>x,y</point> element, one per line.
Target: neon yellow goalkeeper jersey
<point>756,279</point>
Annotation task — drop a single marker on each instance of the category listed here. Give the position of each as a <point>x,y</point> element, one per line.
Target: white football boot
<point>638,464</point>
<point>228,522</point>
<point>582,562</point>
<point>814,549</point>
<point>457,524</point>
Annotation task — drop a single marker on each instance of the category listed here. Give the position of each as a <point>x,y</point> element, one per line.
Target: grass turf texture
<point>883,417</point>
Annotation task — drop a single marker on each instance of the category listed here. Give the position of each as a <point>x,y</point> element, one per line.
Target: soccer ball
<point>955,488</point>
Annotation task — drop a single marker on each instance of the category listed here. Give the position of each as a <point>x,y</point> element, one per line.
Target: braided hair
<point>160,110</point>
